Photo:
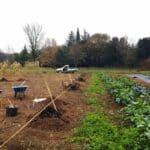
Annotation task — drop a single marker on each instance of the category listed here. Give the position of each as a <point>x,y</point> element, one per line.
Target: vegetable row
<point>136,101</point>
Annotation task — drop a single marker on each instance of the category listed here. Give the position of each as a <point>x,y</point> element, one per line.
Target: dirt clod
<point>81,78</point>
<point>71,86</point>
<point>21,79</point>
<point>4,80</point>
<point>50,112</point>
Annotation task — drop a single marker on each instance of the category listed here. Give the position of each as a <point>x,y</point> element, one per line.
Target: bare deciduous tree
<point>50,43</point>
<point>34,33</point>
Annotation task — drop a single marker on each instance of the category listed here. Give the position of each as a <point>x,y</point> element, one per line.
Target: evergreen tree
<point>143,51</point>
<point>62,57</point>
<point>85,36</point>
<point>78,39</point>
<point>113,55</point>
<point>22,57</point>
<point>71,39</point>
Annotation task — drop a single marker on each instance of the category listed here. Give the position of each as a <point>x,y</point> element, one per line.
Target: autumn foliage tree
<point>47,56</point>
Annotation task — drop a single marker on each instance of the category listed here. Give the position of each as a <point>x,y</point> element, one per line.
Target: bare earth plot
<point>45,132</point>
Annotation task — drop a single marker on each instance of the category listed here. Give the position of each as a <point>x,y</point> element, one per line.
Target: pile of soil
<point>54,123</point>
<point>4,80</point>
<point>50,112</point>
<point>50,119</point>
<point>21,79</point>
<point>71,86</point>
<point>81,77</point>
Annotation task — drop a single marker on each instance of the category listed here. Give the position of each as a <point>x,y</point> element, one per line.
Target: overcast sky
<point>115,17</point>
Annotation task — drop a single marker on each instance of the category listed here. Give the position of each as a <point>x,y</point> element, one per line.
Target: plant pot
<point>11,111</point>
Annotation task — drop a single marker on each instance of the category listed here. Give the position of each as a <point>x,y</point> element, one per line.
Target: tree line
<point>97,50</point>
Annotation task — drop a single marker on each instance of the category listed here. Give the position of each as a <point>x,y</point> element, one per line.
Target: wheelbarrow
<point>19,91</point>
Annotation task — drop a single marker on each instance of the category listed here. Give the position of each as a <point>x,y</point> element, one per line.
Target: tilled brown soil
<point>47,131</point>
<point>50,119</point>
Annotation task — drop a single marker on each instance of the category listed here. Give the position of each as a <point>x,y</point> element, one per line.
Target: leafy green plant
<point>97,133</point>
<point>137,107</point>
<point>120,88</point>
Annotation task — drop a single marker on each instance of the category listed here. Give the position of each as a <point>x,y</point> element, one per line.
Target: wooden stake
<point>1,97</point>
<point>50,93</point>
<point>11,104</point>
<point>70,78</point>
<point>0,103</point>
<point>23,83</point>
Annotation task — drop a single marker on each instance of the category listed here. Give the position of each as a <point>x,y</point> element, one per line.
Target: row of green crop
<point>97,132</point>
<point>136,100</point>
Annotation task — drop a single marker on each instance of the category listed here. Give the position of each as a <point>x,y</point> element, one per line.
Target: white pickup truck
<point>66,69</point>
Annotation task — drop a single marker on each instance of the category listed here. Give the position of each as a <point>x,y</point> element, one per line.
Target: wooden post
<point>23,83</point>
<point>1,92</point>
<point>70,78</point>
<point>11,104</point>
<point>50,94</point>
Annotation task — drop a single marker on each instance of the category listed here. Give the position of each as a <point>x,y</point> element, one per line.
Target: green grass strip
<point>97,132</point>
